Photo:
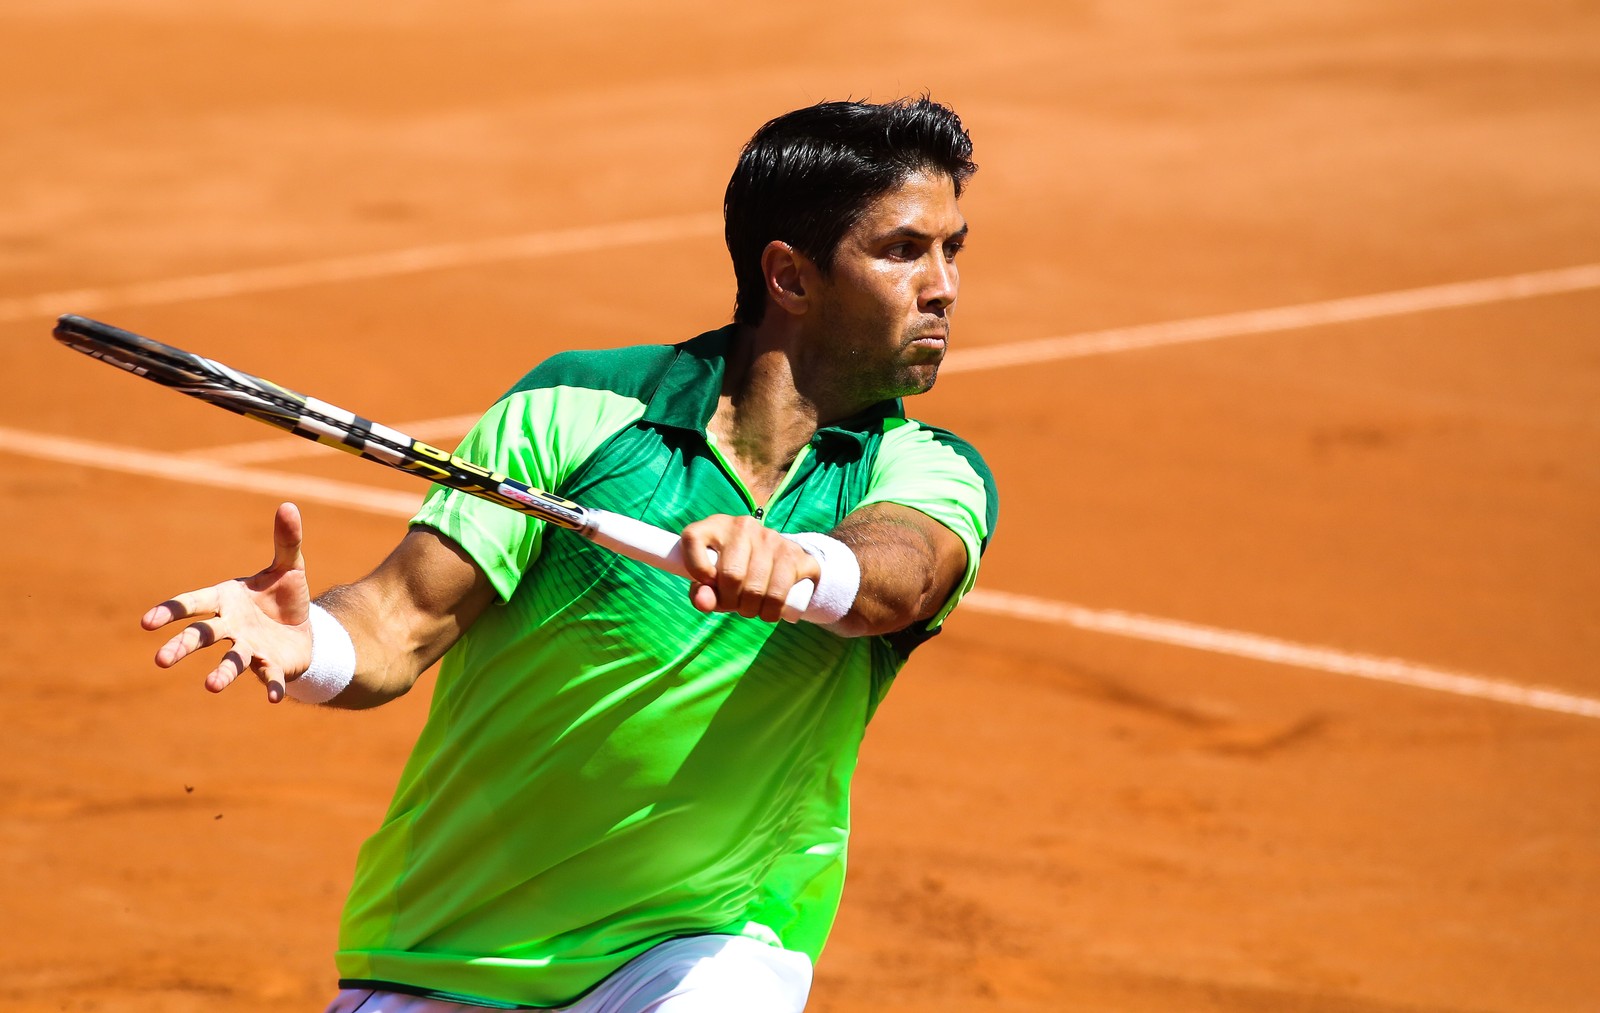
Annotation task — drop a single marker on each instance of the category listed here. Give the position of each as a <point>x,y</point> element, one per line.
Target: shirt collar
<point>687,395</point>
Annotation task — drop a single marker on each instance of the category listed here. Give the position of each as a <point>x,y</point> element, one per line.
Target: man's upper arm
<point>538,433</point>
<point>943,478</point>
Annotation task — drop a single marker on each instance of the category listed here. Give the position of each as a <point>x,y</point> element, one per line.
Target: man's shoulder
<point>922,451</point>
<point>633,371</point>
<point>906,433</point>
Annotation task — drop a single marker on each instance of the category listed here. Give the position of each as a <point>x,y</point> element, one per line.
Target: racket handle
<point>663,550</point>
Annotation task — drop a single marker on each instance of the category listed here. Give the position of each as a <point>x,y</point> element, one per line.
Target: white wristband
<point>840,579</point>
<point>333,660</point>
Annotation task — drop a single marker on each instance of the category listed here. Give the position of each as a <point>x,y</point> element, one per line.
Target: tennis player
<point>632,794</point>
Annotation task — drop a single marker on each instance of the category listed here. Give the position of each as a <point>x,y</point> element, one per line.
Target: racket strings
<point>253,397</point>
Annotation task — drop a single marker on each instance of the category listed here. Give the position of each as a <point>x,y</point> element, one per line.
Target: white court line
<point>177,468</point>
<point>306,488</point>
<point>1282,318</point>
<point>1123,339</point>
<point>1279,652</point>
<point>361,266</point>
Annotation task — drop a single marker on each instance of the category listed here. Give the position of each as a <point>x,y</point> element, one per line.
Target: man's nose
<point>940,284</point>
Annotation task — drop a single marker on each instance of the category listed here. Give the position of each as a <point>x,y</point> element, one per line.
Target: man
<point>631,794</point>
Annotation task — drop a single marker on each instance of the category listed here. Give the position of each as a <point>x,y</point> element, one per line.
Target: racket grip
<point>663,550</point>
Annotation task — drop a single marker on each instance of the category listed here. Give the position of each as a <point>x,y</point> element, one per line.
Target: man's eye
<point>902,251</point>
<point>952,249</point>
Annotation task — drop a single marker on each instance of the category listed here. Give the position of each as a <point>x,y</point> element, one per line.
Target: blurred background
<point>1135,773</point>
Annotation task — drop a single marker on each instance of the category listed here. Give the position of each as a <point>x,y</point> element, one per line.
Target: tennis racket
<point>282,408</point>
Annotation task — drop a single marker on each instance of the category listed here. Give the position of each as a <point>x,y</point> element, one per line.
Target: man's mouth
<point>928,349</point>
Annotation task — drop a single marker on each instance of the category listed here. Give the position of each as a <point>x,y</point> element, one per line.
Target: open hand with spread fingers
<point>266,617</point>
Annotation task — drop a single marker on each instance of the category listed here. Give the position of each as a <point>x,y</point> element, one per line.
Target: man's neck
<point>763,419</point>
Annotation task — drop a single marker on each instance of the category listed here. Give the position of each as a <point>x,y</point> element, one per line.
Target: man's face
<point>883,318</point>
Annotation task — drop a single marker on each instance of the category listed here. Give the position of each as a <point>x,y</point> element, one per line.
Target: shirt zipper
<point>758,512</point>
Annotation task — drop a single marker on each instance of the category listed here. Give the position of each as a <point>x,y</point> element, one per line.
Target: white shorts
<point>695,974</point>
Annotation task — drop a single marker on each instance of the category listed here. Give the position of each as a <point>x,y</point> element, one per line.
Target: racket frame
<point>313,419</point>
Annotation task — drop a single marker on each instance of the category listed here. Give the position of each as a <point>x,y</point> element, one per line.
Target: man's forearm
<point>387,665</point>
<point>405,615</point>
<point>909,566</point>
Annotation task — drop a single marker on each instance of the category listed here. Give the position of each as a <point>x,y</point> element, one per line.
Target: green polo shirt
<point>603,766</point>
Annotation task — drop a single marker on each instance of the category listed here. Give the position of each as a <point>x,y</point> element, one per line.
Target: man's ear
<point>789,276</point>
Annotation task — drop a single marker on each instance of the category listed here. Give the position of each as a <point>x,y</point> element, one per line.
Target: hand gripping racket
<point>282,408</point>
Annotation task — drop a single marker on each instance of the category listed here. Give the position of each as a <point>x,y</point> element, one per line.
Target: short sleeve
<point>943,476</point>
<point>538,435</point>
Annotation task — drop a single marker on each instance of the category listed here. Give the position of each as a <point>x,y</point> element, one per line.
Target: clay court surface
<point>402,206</point>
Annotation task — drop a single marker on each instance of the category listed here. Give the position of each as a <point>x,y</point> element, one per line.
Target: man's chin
<point>918,379</point>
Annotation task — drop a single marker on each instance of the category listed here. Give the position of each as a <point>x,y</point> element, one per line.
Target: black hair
<point>806,177</point>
